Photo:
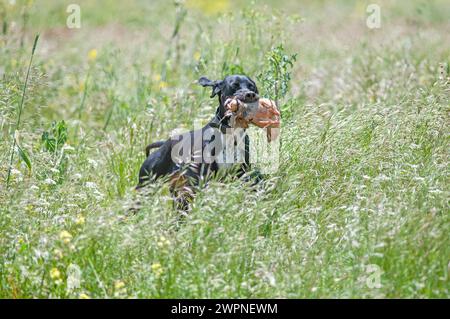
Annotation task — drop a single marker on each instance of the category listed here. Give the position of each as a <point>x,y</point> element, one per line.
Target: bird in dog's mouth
<point>261,112</point>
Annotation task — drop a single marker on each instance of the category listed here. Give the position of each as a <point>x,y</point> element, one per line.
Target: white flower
<point>16,172</point>
<point>93,163</point>
<point>41,254</point>
<point>50,181</point>
<point>68,148</point>
<point>91,185</point>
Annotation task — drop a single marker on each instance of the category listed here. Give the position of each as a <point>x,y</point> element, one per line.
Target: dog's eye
<point>235,85</point>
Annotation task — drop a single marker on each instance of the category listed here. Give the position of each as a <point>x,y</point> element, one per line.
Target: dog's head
<point>238,86</point>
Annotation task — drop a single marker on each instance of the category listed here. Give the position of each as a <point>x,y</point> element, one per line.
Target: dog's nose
<point>250,96</point>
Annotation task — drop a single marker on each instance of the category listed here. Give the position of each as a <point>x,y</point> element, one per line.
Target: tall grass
<point>19,111</point>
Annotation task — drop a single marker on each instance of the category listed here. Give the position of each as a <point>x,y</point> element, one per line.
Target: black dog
<point>194,156</point>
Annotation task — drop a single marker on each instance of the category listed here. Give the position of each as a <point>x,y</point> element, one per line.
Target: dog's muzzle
<point>246,96</point>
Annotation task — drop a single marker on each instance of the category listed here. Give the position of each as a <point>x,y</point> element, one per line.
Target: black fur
<point>160,163</point>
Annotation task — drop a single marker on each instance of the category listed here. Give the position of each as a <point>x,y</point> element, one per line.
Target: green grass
<point>364,164</point>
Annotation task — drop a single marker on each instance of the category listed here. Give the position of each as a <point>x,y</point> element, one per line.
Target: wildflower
<point>16,172</point>
<point>163,85</point>
<point>81,86</point>
<point>197,56</point>
<point>119,288</point>
<point>209,7</point>
<point>84,296</point>
<point>73,277</point>
<point>157,269</point>
<point>65,236</point>
<point>55,274</point>
<point>163,241</point>
<point>92,55</point>
<point>119,285</point>
<point>50,181</point>
<point>157,77</point>
<point>91,185</point>
<point>80,220</point>
<point>58,253</point>
<point>93,163</point>
<point>68,148</point>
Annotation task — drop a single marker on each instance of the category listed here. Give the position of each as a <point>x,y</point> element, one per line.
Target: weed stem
<point>19,116</point>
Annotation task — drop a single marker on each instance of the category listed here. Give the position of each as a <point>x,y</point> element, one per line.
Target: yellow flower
<point>81,87</point>
<point>65,236</point>
<point>84,296</point>
<point>157,77</point>
<point>92,55</point>
<point>163,85</point>
<point>58,253</point>
<point>163,241</point>
<point>55,274</point>
<point>197,56</point>
<point>156,266</point>
<point>209,7</point>
<point>80,220</point>
<point>119,285</point>
<point>119,289</point>
<point>157,269</point>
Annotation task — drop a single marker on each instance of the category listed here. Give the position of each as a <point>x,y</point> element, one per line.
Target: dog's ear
<point>216,85</point>
<point>204,81</point>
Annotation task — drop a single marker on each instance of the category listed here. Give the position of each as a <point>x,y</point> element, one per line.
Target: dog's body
<point>208,149</point>
<point>167,160</point>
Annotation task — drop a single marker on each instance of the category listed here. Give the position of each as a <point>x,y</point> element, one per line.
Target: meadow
<point>358,208</point>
